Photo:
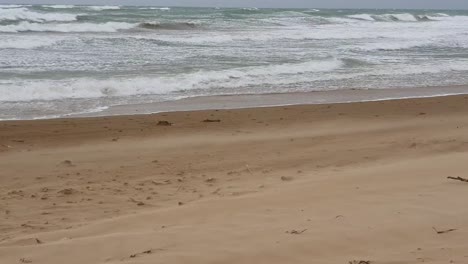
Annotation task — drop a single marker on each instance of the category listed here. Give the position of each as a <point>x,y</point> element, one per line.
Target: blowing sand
<point>341,183</point>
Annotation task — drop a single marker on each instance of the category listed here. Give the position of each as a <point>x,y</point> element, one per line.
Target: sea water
<point>57,60</point>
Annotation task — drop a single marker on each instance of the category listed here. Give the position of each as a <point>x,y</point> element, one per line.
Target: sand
<point>339,183</point>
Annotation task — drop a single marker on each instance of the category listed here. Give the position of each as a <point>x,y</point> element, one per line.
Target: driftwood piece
<point>458,179</point>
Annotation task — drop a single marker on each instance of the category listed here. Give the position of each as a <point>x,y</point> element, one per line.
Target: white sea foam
<point>59,6</point>
<point>454,41</point>
<point>366,17</point>
<point>11,6</point>
<point>365,30</point>
<point>155,8</point>
<point>78,27</point>
<point>250,8</point>
<point>25,14</point>
<point>27,42</point>
<point>386,34</point>
<point>363,36</point>
<point>404,17</point>
<point>399,70</point>
<point>395,44</point>
<point>101,8</point>
<point>228,80</point>
<point>92,88</point>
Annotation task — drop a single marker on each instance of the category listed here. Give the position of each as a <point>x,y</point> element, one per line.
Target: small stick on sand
<point>296,232</point>
<point>138,254</point>
<point>458,179</point>
<point>443,231</point>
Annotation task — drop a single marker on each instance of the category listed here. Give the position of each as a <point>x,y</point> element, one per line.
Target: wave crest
<point>92,88</point>
<point>26,26</point>
<point>405,17</point>
<point>18,14</point>
<point>59,6</point>
<point>11,6</point>
<point>79,27</point>
<point>167,26</point>
<point>156,8</point>
<point>101,8</point>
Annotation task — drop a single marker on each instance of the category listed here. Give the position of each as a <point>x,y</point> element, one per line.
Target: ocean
<point>62,60</point>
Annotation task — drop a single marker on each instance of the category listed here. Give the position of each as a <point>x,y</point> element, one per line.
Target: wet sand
<point>332,183</point>
<point>278,99</point>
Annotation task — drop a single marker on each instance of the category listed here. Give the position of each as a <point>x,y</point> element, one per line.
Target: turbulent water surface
<point>57,60</point>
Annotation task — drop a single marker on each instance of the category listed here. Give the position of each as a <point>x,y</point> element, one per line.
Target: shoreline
<point>242,101</point>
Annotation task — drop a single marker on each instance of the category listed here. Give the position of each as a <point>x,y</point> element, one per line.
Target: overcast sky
<point>420,4</point>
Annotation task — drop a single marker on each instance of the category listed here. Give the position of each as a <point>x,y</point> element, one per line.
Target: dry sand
<point>299,184</point>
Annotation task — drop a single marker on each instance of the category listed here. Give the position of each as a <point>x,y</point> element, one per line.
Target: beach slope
<point>338,183</point>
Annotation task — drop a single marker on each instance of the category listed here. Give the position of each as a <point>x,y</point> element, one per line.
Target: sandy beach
<point>328,184</point>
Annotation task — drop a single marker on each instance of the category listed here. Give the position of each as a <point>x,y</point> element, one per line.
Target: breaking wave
<point>167,26</point>
<point>101,8</point>
<point>406,17</point>
<point>92,27</point>
<point>93,88</point>
<point>155,8</point>
<point>59,6</point>
<point>392,46</point>
<point>11,6</point>
<point>78,27</point>
<point>18,14</point>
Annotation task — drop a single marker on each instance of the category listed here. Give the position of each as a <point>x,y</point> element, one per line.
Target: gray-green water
<point>60,60</point>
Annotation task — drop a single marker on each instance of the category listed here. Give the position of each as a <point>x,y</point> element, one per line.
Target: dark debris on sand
<point>164,123</point>
<point>211,121</point>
